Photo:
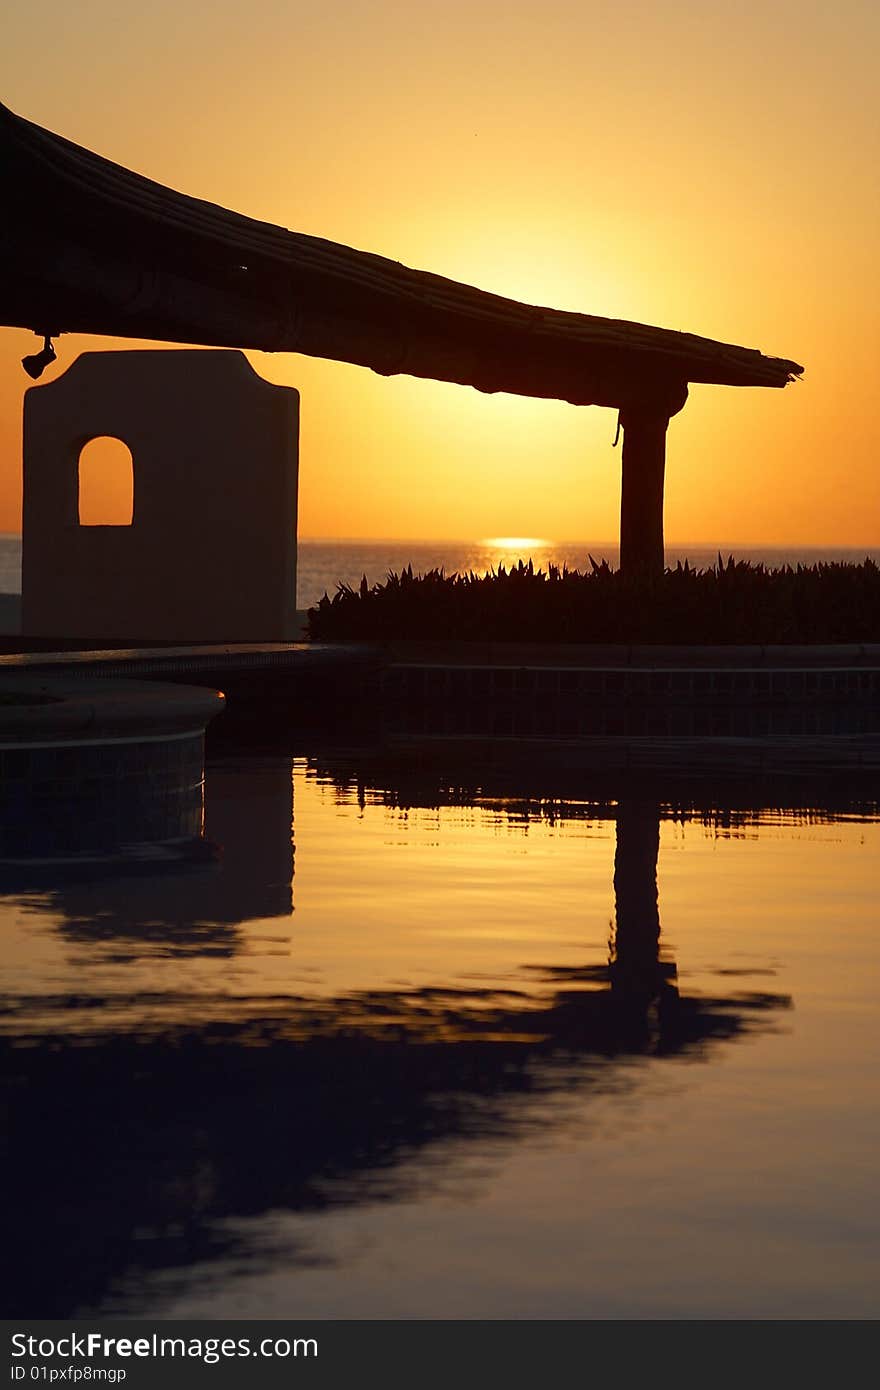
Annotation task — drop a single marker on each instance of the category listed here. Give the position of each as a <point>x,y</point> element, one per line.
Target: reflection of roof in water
<point>298,1108</point>
<point>92,247</point>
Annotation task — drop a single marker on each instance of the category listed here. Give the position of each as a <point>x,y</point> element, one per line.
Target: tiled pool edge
<point>616,703</point>
<point>751,707</point>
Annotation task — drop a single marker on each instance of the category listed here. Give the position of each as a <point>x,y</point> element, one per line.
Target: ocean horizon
<point>323,564</point>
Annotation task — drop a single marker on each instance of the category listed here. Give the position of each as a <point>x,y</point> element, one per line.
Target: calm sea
<point>324,564</point>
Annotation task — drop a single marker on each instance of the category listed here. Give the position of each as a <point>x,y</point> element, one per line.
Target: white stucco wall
<point>211,552</point>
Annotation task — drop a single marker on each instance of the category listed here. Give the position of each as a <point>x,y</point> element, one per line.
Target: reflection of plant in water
<point>406,778</point>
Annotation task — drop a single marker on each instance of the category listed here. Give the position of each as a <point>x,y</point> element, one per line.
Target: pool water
<point>407,1044</point>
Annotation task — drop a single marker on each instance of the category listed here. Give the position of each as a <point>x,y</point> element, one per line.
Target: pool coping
<point>90,711</point>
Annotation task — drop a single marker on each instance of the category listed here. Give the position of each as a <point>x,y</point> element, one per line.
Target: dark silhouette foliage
<point>731,602</point>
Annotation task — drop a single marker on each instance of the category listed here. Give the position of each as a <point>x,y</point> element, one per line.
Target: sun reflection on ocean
<point>507,551</point>
<point>517,543</point>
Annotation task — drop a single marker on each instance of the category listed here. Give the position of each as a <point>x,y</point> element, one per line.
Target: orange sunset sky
<point>706,167</point>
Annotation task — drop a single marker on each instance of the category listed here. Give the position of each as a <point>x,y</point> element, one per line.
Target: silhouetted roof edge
<point>93,247</point>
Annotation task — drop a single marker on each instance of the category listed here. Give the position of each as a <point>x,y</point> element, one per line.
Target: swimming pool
<point>413,1040</point>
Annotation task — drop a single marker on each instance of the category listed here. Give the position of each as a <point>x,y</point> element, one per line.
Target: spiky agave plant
<point>730,602</point>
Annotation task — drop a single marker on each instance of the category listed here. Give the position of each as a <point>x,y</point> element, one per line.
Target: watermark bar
<point>334,1352</point>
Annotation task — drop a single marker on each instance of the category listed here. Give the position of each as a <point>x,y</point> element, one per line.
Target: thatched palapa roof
<point>90,247</point>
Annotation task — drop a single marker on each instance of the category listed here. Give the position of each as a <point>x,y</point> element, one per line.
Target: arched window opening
<point>106,483</point>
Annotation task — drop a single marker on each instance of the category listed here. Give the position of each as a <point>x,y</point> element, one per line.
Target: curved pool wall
<point>100,768</point>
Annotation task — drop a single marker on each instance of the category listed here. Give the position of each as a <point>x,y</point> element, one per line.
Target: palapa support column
<point>644,423</point>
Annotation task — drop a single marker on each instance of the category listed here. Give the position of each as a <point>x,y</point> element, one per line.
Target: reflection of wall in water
<point>249,819</point>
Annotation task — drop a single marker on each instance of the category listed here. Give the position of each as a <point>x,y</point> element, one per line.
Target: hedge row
<point>732,602</point>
